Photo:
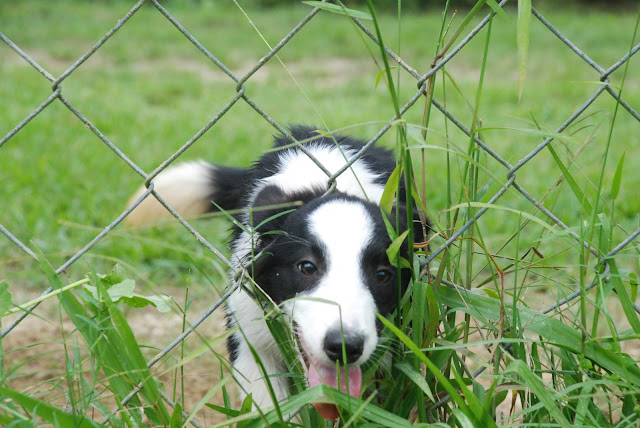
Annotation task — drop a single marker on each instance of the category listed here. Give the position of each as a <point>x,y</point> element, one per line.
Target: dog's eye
<point>383,276</point>
<point>307,268</point>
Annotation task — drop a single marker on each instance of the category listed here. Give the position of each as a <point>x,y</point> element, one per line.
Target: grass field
<point>149,90</point>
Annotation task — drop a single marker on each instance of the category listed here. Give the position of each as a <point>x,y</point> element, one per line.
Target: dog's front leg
<point>253,381</point>
<point>252,328</point>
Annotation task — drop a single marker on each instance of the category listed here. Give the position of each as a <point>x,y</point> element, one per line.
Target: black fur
<point>279,219</point>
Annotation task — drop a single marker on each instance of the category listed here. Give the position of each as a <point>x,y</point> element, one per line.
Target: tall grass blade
<point>385,60</point>
<point>467,19</point>
<point>543,392</point>
<point>202,402</point>
<point>320,394</point>
<point>613,122</point>
<point>493,4</point>
<point>617,178</point>
<point>524,20</point>
<point>135,361</point>
<point>390,189</point>
<point>46,411</point>
<point>504,208</point>
<point>554,330</point>
<point>623,296</point>
<point>5,297</point>
<point>340,10</point>
<point>112,343</point>
<point>89,328</point>
<point>575,188</point>
<point>481,418</point>
<point>176,417</point>
<point>582,410</point>
<point>417,378</point>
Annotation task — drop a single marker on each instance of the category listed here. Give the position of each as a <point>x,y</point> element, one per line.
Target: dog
<point>320,255</point>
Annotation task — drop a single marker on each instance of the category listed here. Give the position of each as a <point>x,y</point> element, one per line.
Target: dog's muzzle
<point>339,346</point>
<point>353,345</point>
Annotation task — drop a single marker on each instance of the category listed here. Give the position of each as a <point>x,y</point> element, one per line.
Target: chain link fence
<point>603,89</point>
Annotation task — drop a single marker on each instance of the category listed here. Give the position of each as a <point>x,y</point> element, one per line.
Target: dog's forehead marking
<point>297,172</point>
<point>344,227</point>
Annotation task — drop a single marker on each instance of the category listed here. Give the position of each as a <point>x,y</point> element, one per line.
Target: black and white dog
<point>324,263</point>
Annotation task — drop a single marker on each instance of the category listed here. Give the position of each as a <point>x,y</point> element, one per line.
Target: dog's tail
<point>190,188</point>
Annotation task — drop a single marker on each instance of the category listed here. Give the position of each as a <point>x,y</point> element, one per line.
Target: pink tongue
<point>320,374</point>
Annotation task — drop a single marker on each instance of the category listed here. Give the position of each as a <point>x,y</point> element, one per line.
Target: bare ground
<point>37,352</point>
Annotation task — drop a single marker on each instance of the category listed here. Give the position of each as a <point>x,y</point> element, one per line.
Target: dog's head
<point>326,264</point>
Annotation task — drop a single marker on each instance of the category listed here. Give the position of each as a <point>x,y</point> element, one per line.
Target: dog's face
<point>326,263</point>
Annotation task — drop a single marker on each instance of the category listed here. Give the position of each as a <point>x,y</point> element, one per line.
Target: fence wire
<point>241,95</point>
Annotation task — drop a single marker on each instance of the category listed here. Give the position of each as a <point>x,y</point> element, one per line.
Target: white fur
<point>248,316</point>
<point>297,172</point>
<point>247,373</point>
<point>344,228</point>
<point>185,187</point>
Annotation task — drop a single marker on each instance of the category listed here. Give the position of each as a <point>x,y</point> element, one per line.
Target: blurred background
<point>148,90</point>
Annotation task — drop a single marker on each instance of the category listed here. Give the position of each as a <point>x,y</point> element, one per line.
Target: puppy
<point>319,255</point>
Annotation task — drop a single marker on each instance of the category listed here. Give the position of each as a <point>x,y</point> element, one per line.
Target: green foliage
<point>108,334</point>
<point>474,307</point>
<point>5,297</point>
<point>118,288</point>
<point>40,409</point>
<point>524,19</point>
<point>340,10</point>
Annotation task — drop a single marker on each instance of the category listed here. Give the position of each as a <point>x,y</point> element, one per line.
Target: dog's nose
<point>353,345</point>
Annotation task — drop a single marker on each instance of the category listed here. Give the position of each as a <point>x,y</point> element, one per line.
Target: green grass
<point>149,90</point>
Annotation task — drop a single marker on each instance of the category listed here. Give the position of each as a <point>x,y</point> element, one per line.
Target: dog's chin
<point>348,381</point>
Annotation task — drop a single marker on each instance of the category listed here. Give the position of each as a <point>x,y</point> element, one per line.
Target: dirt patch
<point>38,351</point>
<point>41,351</point>
<point>326,72</point>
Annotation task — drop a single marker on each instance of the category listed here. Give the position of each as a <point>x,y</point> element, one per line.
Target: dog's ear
<point>271,208</point>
